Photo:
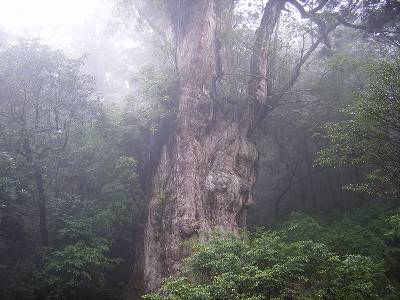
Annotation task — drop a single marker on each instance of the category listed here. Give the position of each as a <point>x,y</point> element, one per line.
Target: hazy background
<point>89,28</point>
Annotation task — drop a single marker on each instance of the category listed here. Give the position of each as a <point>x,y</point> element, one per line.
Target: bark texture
<point>207,169</point>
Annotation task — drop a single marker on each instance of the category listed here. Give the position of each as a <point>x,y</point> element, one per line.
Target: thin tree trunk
<point>41,196</point>
<point>41,201</point>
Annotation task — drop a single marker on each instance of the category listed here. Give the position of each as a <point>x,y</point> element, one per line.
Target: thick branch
<point>311,14</point>
<point>257,86</point>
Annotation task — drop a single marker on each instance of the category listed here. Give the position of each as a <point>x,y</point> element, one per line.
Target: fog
<point>199,149</point>
<point>91,29</point>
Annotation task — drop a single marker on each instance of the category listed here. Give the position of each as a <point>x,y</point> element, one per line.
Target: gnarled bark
<point>207,169</point>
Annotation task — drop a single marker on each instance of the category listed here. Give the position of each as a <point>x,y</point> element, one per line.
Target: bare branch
<point>299,65</point>
<point>293,183</point>
<point>292,92</point>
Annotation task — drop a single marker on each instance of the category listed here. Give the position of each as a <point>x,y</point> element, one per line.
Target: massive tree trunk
<point>207,169</point>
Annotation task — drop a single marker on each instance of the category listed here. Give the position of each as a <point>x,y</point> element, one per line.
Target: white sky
<point>77,27</point>
<point>59,23</point>
<point>36,13</point>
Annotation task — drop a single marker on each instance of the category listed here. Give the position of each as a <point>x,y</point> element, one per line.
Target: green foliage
<point>7,181</point>
<point>351,257</point>
<point>55,95</point>
<point>90,180</point>
<point>369,137</point>
<point>16,265</point>
<point>100,210</point>
<point>156,99</point>
<point>76,271</point>
<point>361,232</point>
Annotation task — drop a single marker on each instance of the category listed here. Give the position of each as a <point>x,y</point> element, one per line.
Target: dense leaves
<point>306,258</point>
<point>369,137</point>
<point>76,271</point>
<point>66,172</point>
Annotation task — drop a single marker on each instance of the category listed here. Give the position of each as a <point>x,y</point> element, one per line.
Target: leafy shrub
<point>267,265</point>
<point>77,270</point>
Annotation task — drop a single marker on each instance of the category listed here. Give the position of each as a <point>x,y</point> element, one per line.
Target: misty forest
<point>199,149</point>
